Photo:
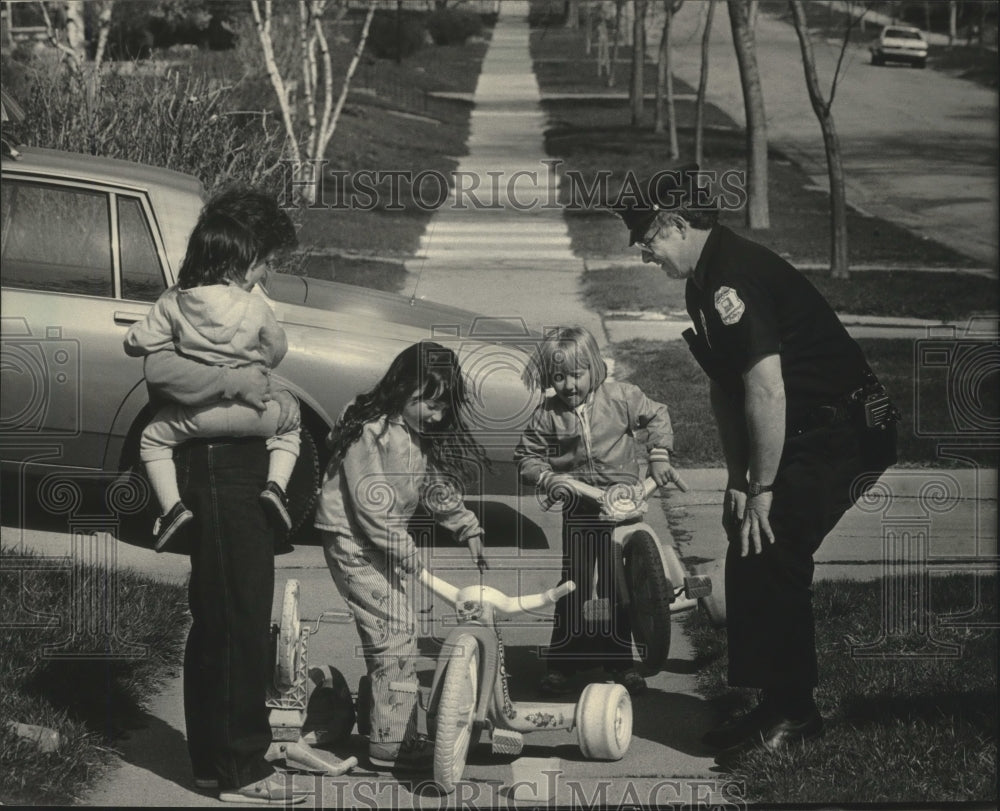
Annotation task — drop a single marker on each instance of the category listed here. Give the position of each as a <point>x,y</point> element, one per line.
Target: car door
<point>79,264</point>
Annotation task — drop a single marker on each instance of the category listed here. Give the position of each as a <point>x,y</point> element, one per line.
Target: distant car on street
<point>900,43</point>
<point>89,243</point>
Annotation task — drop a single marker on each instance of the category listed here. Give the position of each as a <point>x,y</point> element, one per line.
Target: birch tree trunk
<point>757,211</point>
<point>636,90</point>
<point>699,107</point>
<point>834,163</point>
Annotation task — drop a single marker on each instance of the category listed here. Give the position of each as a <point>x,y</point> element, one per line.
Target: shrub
<point>396,37</point>
<point>448,26</point>
<point>171,118</point>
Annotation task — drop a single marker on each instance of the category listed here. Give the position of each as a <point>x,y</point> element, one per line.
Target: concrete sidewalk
<point>501,241</point>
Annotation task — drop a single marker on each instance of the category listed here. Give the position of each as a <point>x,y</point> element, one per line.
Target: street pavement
<point>524,268</point>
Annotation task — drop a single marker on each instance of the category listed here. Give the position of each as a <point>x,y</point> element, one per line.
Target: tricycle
<point>651,582</point>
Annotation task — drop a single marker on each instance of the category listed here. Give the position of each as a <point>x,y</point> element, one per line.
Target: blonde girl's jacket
<point>595,442</point>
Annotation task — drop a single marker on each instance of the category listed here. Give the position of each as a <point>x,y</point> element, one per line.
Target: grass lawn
<point>89,702</point>
<point>387,132</point>
<point>667,373</point>
<point>906,294</point>
<point>899,729</point>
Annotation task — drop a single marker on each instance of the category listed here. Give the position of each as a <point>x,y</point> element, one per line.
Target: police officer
<point>805,428</point>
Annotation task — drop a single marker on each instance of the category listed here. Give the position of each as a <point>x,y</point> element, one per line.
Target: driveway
<point>919,146</point>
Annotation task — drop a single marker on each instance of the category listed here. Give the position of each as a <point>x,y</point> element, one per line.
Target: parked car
<point>89,243</point>
<point>900,43</point>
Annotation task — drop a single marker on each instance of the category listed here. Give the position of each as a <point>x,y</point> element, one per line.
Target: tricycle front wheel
<point>650,595</point>
<point>456,711</point>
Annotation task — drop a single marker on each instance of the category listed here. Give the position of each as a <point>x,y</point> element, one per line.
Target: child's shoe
<point>274,790</point>
<point>168,524</point>
<point>275,504</point>
<point>630,680</point>
<point>555,683</point>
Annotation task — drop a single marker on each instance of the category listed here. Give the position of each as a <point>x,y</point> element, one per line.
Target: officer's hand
<point>289,417</point>
<point>733,508</point>
<point>756,524</point>
<point>663,473</point>
<point>476,552</point>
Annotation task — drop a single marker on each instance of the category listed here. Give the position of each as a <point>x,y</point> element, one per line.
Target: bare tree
<point>636,90</point>
<point>666,119</point>
<point>699,105</point>
<point>758,211</point>
<point>572,14</point>
<point>823,107</point>
<point>321,121</point>
<point>619,8</point>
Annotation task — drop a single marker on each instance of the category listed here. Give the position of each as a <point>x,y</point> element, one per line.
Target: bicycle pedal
<point>507,742</point>
<point>598,610</point>
<point>698,586</point>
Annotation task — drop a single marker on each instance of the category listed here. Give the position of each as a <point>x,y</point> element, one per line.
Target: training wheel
<point>715,603</point>
<point>604,721</point>
<point>286,669</point>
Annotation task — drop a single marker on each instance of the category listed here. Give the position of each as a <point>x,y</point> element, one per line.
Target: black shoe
<point>737,730</point>
<point>275,503</point>
<point>785,732</point>
<point>630,679</point>
<point>166,525</point>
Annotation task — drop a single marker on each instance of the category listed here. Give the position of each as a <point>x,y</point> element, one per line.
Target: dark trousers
<point>769,596</point>
<point>577,644</point>
<point>227,664</point>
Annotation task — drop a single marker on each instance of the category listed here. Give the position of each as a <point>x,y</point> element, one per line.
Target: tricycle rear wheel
<point>604,721</point>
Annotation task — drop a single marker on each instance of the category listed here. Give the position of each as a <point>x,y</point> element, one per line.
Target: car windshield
<point>900,33</point>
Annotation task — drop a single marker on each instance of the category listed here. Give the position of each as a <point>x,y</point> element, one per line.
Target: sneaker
<point>274,790</point>
<point>275,504</point>
<point>168,524</point>
<point>413,755</point>
<point>555,683</point>
<point>631,681</point>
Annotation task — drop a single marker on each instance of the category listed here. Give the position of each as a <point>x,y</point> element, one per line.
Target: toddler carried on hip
<point>212,315</point>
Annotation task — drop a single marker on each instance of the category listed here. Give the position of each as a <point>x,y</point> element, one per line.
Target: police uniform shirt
<point>752,303</point>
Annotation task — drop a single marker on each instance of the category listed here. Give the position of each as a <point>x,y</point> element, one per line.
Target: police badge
<point>729,305</point>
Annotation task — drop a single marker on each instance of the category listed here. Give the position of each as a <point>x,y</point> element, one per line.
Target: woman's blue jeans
<point>227,662</point>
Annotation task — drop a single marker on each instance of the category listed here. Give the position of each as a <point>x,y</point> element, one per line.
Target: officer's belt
<point>866,406</point>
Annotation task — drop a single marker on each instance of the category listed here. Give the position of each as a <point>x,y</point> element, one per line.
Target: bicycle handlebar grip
<point>561,590</point>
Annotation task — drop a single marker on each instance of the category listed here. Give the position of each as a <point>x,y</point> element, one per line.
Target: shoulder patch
<point>729,305</point>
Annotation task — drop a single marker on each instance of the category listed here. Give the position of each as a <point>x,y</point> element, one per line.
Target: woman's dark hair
<point>432,371</point>
<point>236,228</point>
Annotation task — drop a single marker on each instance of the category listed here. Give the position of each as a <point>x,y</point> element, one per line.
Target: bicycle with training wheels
<point>652,583</point>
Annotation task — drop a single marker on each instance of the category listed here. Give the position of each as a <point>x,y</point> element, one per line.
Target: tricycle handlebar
<point>494,597</point>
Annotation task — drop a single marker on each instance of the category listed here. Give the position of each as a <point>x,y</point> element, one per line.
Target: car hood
<point>389,308</point>
<point>331,318</point>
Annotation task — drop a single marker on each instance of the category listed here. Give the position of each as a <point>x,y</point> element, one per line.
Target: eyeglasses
<point>646,242</point>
